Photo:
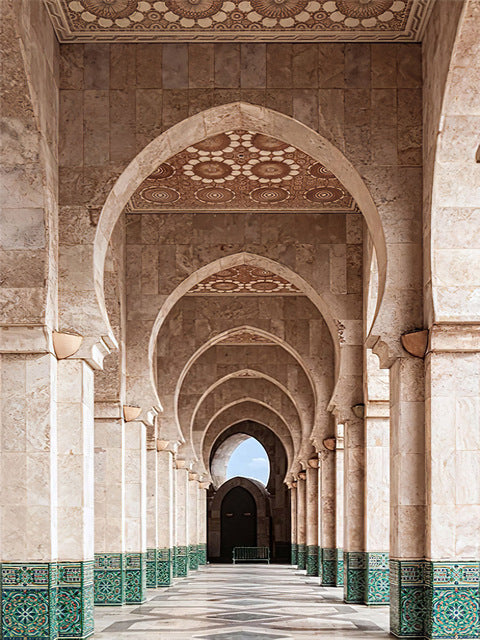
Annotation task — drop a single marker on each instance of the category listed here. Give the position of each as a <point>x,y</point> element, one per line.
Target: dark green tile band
<point>181,562</point>
<point>75,599</point>
<point>377,579</point>
<point>202,554</point>
<point>339,566</point>
<point>354,576</point>
<point>136,578</point>
<point>293,553</point>
<point>328,568</point>
<point>164,567</point>
<point>109,579</point>
<point>312,560</point>
<point>151,568</point>
<point>193,557</point>
<point>301,556</point>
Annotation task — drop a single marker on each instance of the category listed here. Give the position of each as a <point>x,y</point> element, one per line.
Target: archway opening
<point>249,460</point>
<point>238,524</point>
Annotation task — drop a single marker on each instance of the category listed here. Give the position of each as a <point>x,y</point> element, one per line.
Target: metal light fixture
<point>162,444</point>
<point>131,412</point>
<point>313,463</point>
<point>66,344</point>
<point>330,443</point>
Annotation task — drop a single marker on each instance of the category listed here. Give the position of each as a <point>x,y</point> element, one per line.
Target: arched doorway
<point>238,522</point>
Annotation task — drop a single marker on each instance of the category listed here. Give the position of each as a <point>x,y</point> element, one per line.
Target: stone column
<point>28,496</point>
<point>452,552</point>
<point>165,517</point>
<point>354,555</point>
<point>135,511</point>
<point>301,523</point>
<point>377,502</point>
<point>202,522</point>
<point>339,503</point>
<point>181,518</point>
<point>293,510</point>
<point>75,478</point>
<point>407,496</point>
<point>109,473</point>
<point>192,521</point>
<point>175,525</point>
<point>326,475</point>
<point>311,512</point>
<point>152,515</point>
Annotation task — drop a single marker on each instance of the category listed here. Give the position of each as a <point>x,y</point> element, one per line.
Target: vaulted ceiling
<point>239,20</point>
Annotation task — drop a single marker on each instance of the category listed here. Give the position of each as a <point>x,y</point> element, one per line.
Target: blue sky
<point>249,460</point>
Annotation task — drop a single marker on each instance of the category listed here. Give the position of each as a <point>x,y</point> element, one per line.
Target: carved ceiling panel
<point>244,280</point>
<point>238,171</point>
<point>239,20</point>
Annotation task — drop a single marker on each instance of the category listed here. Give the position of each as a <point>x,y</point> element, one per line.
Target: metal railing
<point>251,554</point>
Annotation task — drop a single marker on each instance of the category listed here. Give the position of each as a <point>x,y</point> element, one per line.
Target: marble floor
<point>243,602</point>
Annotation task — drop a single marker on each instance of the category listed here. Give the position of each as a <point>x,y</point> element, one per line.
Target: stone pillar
<point>354,556</point>
<point>377,502</point>
<point>192,521</point>
<point>311,512</point>
<point>181,518</point>
<point>301,523</point>
<point>328,555</point>
<point>175,525</point>
<point>109,473</point>
<point>28,496</point>
<point>452,552</point>
<point>75,516</point>
<point>293,510</point>
<point>339,503</point>
<point>135,512</point>
<point>165,517</point>
<point>407,496</point>
<point>202,522</point>
<point>152,515</point>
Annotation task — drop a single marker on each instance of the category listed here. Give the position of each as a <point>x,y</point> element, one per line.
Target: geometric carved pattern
<point>75,599</point>
<point>244,336</point>
<point>377,589</point>
<point>244,280</point>
<point>312,560</point>
<point>193,557</point>
<point>293,554</point>
<point>329,567</point>
<point>339,564</point>
<point>238,171</point>
<point>301,556</point>
<point>407,605</point>
<point>136,578</point>
<point>164,567</point>
<point>355,576</point>
<point>202,554</point>
<point>163,21</point>
<point>181,561</point>
<point>109,579</point>
<point>151,568</point>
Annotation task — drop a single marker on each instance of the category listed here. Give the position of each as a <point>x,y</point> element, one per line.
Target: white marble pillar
<point>311,514</point>
<point>202,522</point>
<point>165,517</point>
<point>301,523</point>
<point>293,519</point>
<point>377,501</point>
<point>181,518</point>
<point>109,473</point>
<point>75,478</point>
<point>339,503</point>
<point>326,477</point>
<point>192,521</point>
<point>152,514</point>
<point>28,468</point>
<point>135,511</point>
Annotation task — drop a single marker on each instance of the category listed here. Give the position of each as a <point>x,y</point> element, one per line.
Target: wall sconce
<point>302,475</point>
<point>130,412</point>
<point>162,444</point>
<point>359,410</point>
<point>192,476</point>
<point>313,463</point>
<point>415,343</point>
<point>180,464</point>
<point>330,443</point>
<point>66,344</point>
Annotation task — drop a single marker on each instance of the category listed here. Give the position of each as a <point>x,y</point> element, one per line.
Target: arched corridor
<point>234,219</point>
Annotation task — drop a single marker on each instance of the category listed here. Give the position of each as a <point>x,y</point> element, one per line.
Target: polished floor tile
<point>243,602</point>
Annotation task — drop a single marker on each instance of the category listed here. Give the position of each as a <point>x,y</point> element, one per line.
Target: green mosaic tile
<point>151,568</point>
<point>202,554</point>
<point>174,563</point>
<point>109,579</point>
<point>182,562</point>
<point>377,580</point>
<point>339,567</point>
<point>301,556</point>
<point>75,599</point>
<point>407,604</point>
<point>29,601</point>
<point>192,557</point>
<point>164,567</point>
<point>312,560</point>
<point>293,553</point>
<point>328,567</point>
<point>354,576</point>
<point>452,599</point>
<point>136,577</point>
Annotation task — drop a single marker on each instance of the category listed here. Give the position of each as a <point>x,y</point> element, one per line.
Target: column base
<point>354,577</point>
<point>339,567</point>
<point>312,560</point>
<point>192,557</point>
<point>181,561</point>
<point>136,578</point>
<point>377,579</point>
<point>109,579</point>
<point>164,567</point>
<point>75,599</point>
<point>328,567</point>
<point>301,557</point>
<point>293,553</point>
<point>174,562</point>
<point>151,568</point>
<point>29,600</point>
<point>202,554</point>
